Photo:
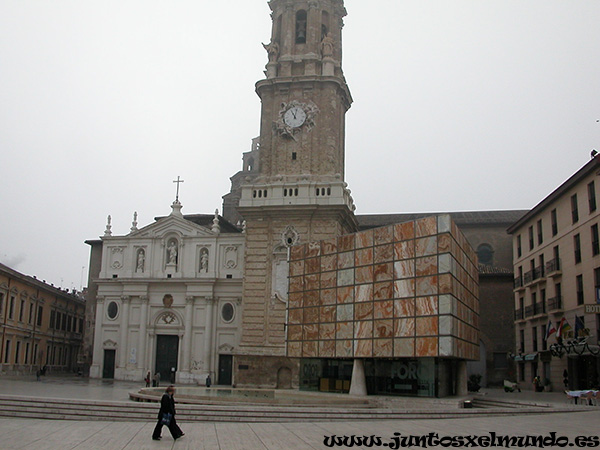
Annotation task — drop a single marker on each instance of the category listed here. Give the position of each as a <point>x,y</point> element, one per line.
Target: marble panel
<point>363,311</point>
<point>294,349</point>
<point>328,280</point>
<point>444,243</point>
<point>312,265</point>
<point>345,277</point>
<point>364,274</point>
<point>404,250</point>
<point>296,284</point>
<point>297,252</point>
<point>383,253</point>
<point>328,297</point>
<point>344,330</point>
<point>345,260</point>
<point>328,313</point>
<point>295,316</point>
<point>363,293</point>
<point>383,310</point>
<point>312,282</point>
<point>445,263</point>
<point>310,332</point>
<point>383,290</point>
<point>344,349</point>
<point>363,329</point>
<point>313,249</point>
<point>295,332</point>
<point>345,243</point>
<point>427,286</point>
<point>329,246</point>
<point>327,331</point>
<point>363,348</point>
<point>311,315</point>
<point>404,307</point>
<point>364,239</point>
<point>426,266</point>
<point>446,283</point>
<point>404,288</point>
<point>427,346</point>
<point>426,246</point>
<point>345,295</point>
<point>383,348</point>
<point>364,257</point>
<point>384,272</point>
<point>296,268</point>
<point>310,349</point>
<point>404,231</point>
<point>444,223</point>
<point>326,349</point>
<point>404,327</point>
<point>404,348</point>
<point>383,235</point>
<point>426,226</point>
<point>446,346</point>
<point>427,306</point>
<point>404,269</point>
<point>345,312</point>
<point>427,326</point>
<point>295,300</point>
<point>383,328</point>
<point>328,263</point>
<point>312,298</point>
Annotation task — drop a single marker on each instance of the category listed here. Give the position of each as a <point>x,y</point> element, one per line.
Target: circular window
<point>112,310</point>
<point>227,312</point>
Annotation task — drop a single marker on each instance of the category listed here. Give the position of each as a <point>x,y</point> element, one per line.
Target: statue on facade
<point>272,50</point>
<point>141,259</point>
<point>204,260</point>
<point>172,252</point>
<point>327,46</point>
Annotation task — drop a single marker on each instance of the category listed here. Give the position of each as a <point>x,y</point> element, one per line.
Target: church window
<point>485,253</point>
<point>250,167</point>
<point>294,156</point>
<point>301,18</point>
<point>324,24</point>
<point>227,312</point>
<point>265,193</point>
<point>296,192</point>
<point>112,311</point>
<point>329,191</point>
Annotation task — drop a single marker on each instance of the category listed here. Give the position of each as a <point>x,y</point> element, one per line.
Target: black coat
<point>167,405</point>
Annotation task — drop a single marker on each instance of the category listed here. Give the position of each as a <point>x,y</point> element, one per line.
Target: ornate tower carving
<point>300,181</point>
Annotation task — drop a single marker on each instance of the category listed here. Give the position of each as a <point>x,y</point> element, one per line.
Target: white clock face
<point>294,117</point>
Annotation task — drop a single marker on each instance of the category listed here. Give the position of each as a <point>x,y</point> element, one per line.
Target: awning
<point>527,357</point>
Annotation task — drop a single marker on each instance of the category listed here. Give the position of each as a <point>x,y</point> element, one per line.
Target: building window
<point>574,209</point>
<point>579,282</point>
<point>52,318</point>
<point>554,220</point>
<point>531,237</point>
<point>301,27</point>
<point>595,243</point>
<point>535,341</point>
<point>556,253</point>
<point>544,343</point>
<point>39,316</point>
<point>577,245</point>
<point>11,307</point>
<point>18,353</point>
<point>112,311</point>
<point>21,310</point>
<point>534,303</point>
<point>6,351</point>
<point>542,268</point>
<point>540,232</point>
<point>27,353</point>
<point>543,301</point>
<point>31,309</point>
<point>227,312</point>
<point>1,302</point>
<point>519,247</point>
<point>485,254</point>
<point>521,371</point>
<point>34,355</point>
<point>592,196</point>
<point>80,325</point>
<point>522,340</point>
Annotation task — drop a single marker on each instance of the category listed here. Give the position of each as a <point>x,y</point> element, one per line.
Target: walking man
<point>166,416</point>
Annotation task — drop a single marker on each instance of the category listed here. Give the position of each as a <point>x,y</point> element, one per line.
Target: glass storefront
<point>421,377</point>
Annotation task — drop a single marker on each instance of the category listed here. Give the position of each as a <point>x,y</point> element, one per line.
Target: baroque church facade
<point>195,295</point>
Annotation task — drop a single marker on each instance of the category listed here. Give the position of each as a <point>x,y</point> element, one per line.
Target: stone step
<point>66,409</point>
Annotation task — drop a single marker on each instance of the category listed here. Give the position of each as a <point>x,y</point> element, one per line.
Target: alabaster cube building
<point>401,299</point>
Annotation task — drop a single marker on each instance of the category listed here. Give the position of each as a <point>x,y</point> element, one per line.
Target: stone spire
<point>134,223</point>
<point>216,228</point>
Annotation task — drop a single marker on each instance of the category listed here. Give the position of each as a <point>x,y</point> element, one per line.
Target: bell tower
<point>299,193</point>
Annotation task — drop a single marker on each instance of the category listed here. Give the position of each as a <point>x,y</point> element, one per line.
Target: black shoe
<point>181,435</point>
<point>156,438</point>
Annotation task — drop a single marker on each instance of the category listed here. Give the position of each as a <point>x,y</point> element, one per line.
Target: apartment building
<point>557,285</point>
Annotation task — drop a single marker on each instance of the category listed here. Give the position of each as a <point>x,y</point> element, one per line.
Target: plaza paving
<point>63,435</point>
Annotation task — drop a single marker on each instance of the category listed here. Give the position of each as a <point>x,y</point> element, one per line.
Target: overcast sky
<point>458,105</point>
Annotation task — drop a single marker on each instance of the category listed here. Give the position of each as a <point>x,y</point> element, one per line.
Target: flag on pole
<point>563,327</point>
<point>579,325</point>
<point>550,329</point>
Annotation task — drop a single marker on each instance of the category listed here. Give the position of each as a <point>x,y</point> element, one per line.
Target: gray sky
<point>459,105</point>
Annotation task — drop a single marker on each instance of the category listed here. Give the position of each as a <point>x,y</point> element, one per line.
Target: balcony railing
<point>555,303</point>
<point>538,308</point>
<point>519,314</point>
<point>518,282</point>
<point>528,277</point>
<point>538,273</point>
<point>529,311</point>
<point>553,266</point>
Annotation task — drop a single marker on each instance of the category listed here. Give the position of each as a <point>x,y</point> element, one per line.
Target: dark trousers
<point>173,428</point>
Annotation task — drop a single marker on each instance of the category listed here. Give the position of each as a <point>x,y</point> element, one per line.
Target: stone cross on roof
<point>178,181</point>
